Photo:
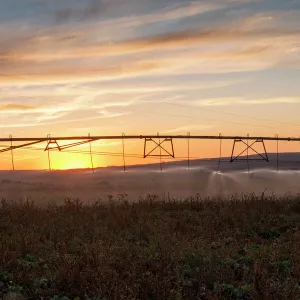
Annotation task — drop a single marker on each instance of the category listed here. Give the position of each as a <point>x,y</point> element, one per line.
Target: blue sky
<point>141,66</point>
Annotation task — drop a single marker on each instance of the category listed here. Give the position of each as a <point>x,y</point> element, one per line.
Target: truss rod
<point>19,146</point>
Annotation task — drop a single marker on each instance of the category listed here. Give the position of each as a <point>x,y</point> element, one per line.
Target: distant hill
<point>286,161</point>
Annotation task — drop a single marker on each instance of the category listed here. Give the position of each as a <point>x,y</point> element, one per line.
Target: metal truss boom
<point>161,145</point>
<point>127,137</point>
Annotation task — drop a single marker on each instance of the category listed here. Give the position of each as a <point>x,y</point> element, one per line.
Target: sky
<point>108,67</point>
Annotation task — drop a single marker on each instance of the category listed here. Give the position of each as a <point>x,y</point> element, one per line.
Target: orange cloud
<point>37,49</point>
<point>247,101</point>
<point>39,74</point>
<point>151,64</point>
<point>16,107</point>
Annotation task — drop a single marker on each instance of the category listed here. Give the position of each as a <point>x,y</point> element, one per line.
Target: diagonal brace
<point>19,146</point>
<point>51,142</point>
<point>61,148</point>
<point>266,158</point>
<point>159,146</point>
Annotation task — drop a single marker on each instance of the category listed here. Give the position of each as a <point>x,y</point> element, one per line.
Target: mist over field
<point>175,180</point>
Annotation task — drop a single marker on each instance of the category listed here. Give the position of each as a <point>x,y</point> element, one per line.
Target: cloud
<point>161,11</point>
<point>165,63</point>
<point>108,114</point>
<point>247,101</point>
<point>166,41</point>
<point>90,10</point>
<point>38,73</point>
<point>122,90</point>
<point>16,107</point>
<point>76,55</point>
<point>48,108</point>
<point>31,122</point>
<point>187,128</point>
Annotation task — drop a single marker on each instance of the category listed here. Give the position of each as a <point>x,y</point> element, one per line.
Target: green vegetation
<point>241,248</point>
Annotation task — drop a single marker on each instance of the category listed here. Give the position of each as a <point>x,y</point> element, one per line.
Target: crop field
<point>244,247</point>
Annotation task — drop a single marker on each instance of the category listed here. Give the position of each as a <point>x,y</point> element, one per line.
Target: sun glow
<point>73,165</point>
<point>66,162</point>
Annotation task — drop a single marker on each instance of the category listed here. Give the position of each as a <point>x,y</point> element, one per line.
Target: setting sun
<point>64,161</point>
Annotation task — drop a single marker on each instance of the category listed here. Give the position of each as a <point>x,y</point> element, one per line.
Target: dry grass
<point>152,249</point>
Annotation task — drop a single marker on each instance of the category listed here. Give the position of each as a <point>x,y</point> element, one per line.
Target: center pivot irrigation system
<point>157,143</point>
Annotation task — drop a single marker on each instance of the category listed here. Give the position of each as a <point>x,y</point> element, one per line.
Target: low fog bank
<point>175,181</point>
